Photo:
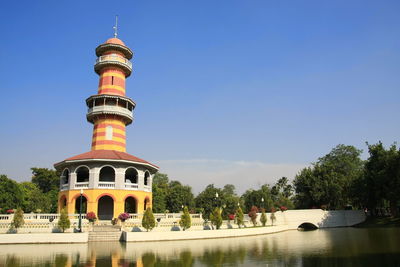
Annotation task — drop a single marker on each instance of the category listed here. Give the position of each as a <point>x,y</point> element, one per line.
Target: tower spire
<point>116,26</point>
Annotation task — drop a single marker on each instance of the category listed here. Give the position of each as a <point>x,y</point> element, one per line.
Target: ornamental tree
<point>148,220</point>
<point>185,221</point>
<point>91,216</point>
<point>272,217</point>
<point>263,218</point>
<point>239,217</point>
<point>123,216</point>
<point>253,215</point>
<point>18,220</point>
<point>63,222</point>
<point>216,218</point>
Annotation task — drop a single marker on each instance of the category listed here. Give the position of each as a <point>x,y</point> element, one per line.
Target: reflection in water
<point>329,247</point>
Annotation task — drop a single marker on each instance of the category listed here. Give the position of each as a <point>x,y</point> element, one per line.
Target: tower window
<point>112,80</point>
<point>109,132</point>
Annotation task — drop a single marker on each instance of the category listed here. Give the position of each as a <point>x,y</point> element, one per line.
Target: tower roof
<point>115,41</point>
<point>107,155</point>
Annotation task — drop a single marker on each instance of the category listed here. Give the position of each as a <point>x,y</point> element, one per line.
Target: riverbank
<point>378,222</point>
<point>44,238</point>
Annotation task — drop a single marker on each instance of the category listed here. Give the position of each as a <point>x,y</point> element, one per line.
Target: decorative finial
<point>116,26</point>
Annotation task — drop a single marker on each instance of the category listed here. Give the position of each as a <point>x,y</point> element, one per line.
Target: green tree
<point>263,218</point>
<point>281,193</point>
<point>207,200</point>
<point>45,179</point>
<point>64,222</point>
<point>178,196</point>
<point>160,192</point>
<point>11,194</point>
<point>18,220</point>
<point>239,217</point>
<point>328,182</point>
<point>255,198</point>
<point>34,199</point>
<point>185,221</point>
<point>148,220</point>
<point>216,218</point>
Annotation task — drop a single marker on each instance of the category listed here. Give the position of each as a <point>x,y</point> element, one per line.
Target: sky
<point>239,92</point>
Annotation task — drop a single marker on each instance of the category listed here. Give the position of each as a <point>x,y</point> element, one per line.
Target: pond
<point>326,247</point>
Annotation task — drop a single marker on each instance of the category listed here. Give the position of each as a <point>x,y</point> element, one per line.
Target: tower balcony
<point>113,60</point>
<point>96,111</point>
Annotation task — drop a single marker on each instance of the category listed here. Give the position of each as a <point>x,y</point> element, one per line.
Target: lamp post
<point>262,201</point>
<point>80,213</point>
<point>216,199</point>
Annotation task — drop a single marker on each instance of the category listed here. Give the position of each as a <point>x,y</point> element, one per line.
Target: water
<point>328,247</point>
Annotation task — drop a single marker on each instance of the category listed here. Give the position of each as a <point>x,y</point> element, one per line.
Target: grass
<point>380,222</point>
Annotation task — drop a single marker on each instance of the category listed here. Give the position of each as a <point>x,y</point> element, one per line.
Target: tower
<point>112,180</point>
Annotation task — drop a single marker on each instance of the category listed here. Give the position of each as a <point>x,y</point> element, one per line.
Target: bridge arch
<point>307,226</point>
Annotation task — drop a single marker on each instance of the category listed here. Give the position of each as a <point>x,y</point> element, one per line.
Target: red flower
<point>10,211</point>
<point>283,208</point>
<point>231,216</point>
<point>123,216</point>
<point>91,216</point>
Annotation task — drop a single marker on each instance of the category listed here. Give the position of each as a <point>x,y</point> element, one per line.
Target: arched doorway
<point>63,202</point>
<point>105,208</point>
<point>146,204</point>
<point>78,204</point>
<point>130,205</point>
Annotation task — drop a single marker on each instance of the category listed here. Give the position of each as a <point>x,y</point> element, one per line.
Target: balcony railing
<point>106,184</point>
<point>114,59</point>
<point>82,185</point>
<point>147,188</point>
<point>110,110</point>
<point>131,186</point>
<point>64,187</point>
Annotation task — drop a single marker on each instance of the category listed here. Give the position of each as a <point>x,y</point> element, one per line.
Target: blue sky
<point>239,92</point>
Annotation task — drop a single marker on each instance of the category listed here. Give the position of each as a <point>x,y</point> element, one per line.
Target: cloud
<point>198,173</point>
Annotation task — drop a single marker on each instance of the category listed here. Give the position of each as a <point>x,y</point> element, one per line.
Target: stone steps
<point>105,233</point>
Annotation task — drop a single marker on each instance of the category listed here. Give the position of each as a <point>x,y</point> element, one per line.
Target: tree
<point>328,182</point>
<point>45,179</point>
<point>185,221</point>
<point>216,218</point>
<point>253,215</point>
<point>263,218</point>
<point>11,194</point>
<point>160,192</point>
<point>281,193</point>
<point>178,196</point>
<point>18,220</point>
<point>239,217</point>
<point>207,200</point>
<point>34,199</point>
<point>64,222</point>
<point>254,198</point>
<point>148,220</point>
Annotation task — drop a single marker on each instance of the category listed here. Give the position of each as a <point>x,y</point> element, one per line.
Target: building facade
<point>110,180</point>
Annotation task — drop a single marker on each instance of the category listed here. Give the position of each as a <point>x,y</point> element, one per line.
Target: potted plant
<point>123,217</point>
<point>91,217</point>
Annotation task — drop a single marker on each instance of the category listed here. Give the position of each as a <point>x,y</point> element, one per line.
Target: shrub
<point>231,217</point>
<point>253,215</point>
<point>283,208</point>
<point>272,217</point>
<point>185,221</point>
<point>123,216</point>
<point>216,218</point>
<point>9,211</point>
<point>18,219</point>
<point>239,217</point>
<point>148,221</point>
<point>114,221</point>
<point>63,222</point>
<point>91,216</point>
<point>263,218</point>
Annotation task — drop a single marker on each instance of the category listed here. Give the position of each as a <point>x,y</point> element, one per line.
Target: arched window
<point>82,174</point>
<point>146,178</point>
<point>65,177</point>
<point>107,174</point>
<point>131,176</point>
<point>130,205</point>
<point>78,204</point>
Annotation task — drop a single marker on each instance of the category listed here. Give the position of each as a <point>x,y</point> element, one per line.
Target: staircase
<point>105,233</point>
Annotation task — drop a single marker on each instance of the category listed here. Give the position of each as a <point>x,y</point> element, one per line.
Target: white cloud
<point>198,173</point>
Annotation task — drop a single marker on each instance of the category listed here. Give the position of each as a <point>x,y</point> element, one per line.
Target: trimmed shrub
<point>148,221</point>
<point>18,220</point>
<point>123,216</point>
<point>253,215</point>
<point>216,218</point>
<point>91,216</point>
<point>64,222</point>
<point>186,221</point>
<point>239,217</point>
<point>263,218</point>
